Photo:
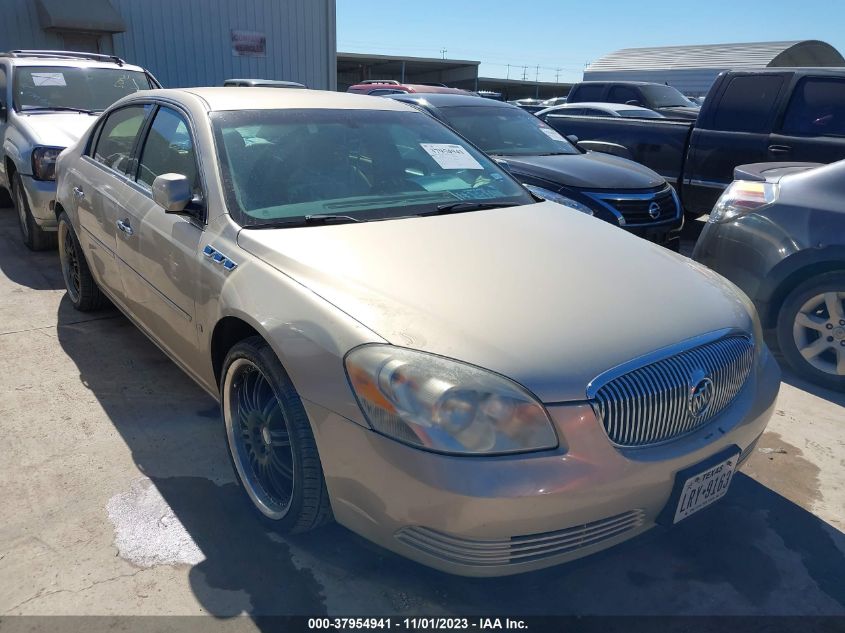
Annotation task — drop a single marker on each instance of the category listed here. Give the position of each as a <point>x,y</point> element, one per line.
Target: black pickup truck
<point>755,116</point>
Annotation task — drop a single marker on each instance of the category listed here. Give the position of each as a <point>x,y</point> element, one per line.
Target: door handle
<point>78,193</point>
<point>779,149</point>
<point>123,225</point>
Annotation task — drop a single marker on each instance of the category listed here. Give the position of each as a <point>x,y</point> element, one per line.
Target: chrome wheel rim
<point>819,332</point>
<point>69,258</point>
<point>259,438</point>
<point>19,203</point>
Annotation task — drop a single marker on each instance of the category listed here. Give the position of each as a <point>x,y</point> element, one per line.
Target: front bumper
<point>40,193</point>
<point>492,516</point>
<point>668,235</point>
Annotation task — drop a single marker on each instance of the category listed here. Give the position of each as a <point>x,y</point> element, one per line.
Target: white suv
<point>48,99</point>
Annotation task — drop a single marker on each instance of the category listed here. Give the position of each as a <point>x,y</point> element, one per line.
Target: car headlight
<point>553,196</point>
<point>44,162</point>
<point>741,197</point>
<point>444,405</point>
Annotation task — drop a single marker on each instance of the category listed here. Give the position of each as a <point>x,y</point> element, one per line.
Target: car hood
<point>593,170</point>
<point>549,299</point>
<point>55,130</point>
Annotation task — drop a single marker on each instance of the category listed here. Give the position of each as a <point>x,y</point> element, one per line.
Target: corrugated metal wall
<point>19,27</point>
<point>188,42</point>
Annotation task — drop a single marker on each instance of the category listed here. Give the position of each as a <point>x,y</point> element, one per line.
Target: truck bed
<point>656,143</point>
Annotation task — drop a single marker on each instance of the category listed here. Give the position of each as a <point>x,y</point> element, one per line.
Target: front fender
<point>309,335</point>
<point>792,271</point>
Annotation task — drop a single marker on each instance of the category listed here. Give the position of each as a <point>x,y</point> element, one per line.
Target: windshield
<point>285,165</point>
<point>66,87</point>
<point>666,97</point>
<point>640,114</point>
<point>506,131</point>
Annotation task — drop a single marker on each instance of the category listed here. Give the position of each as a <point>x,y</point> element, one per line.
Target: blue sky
<point>566,35</point>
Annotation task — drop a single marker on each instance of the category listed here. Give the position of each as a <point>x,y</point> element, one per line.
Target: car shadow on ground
<point>36,270</point>
<point>791,378</point>
<point>755,552</point>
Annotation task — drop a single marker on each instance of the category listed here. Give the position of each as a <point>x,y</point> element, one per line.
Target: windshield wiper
<point>472,205</point>
<point>60,109</point>
<point>306,221</point>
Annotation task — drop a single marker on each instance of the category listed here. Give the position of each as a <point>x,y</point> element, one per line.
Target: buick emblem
<point>699,398</point>
<point>654,210</point>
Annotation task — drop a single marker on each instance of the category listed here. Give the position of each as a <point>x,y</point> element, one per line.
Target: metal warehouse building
<point>692,69</point>
<point>187,42</point>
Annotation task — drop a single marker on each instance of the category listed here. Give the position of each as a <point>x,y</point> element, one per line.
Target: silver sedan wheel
<point>819,332</point>
<point>259,439</point>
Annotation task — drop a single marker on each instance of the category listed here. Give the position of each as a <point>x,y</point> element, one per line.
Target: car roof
<point>249,98</point>
<point>601,105</point>
<point>264,83</point>
<point>446,100</point>
<point>623,82</point>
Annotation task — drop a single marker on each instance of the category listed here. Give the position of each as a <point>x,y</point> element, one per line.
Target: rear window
<point>586,92</point>
<point>817,108</point>
<point>748,103</point>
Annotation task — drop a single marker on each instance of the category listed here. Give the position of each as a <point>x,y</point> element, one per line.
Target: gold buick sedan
<point>404,339</point>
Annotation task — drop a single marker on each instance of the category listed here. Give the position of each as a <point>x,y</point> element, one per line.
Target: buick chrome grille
<point>670,397</point>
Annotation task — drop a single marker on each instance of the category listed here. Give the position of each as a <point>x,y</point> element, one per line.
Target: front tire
<point>34,237</point>
<point>811,330</point>
<point>82,290</point>
<point>270,441</point>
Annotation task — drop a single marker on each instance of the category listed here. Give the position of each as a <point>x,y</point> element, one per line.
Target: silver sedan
<point>401,337</point>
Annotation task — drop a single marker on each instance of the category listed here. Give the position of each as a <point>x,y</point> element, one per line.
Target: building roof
<point>392,64</point>
<point>749,55</point>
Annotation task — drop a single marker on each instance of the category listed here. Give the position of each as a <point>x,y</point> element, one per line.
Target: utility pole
<point>557,75</point>
<point>443,52</point>
<point>524,73</point>
<point>508,76</point>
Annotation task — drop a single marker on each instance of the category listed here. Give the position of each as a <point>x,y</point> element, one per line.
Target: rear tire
<point>811,330</point>
<point>34,237</point>
<point>270,441</point>
<point>82,290</point>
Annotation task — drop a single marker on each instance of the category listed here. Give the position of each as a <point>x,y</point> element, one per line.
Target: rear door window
<point>623,94</point>
<point>587,92</point>
<point>117,137</point>
<point>748,103</point>
<point>817,108</point>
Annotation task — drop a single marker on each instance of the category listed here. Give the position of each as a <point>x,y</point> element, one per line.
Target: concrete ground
<point>117,498</point>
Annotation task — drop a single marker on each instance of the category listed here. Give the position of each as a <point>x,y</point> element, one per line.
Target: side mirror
<point>172,192</point>
<point>572,139</point>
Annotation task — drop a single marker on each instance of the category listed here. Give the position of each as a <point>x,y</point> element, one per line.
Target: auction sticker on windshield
<point>450,156</point>
<point>704,488</point>
<point>48,79</point>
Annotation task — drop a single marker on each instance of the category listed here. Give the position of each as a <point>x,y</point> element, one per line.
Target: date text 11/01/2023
<point>417,624</point>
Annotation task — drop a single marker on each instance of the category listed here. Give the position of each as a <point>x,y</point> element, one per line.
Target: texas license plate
<point>703,488</point>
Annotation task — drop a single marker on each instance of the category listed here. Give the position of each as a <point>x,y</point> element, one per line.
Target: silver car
<point>401,337</point>
<point>48,99</point>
